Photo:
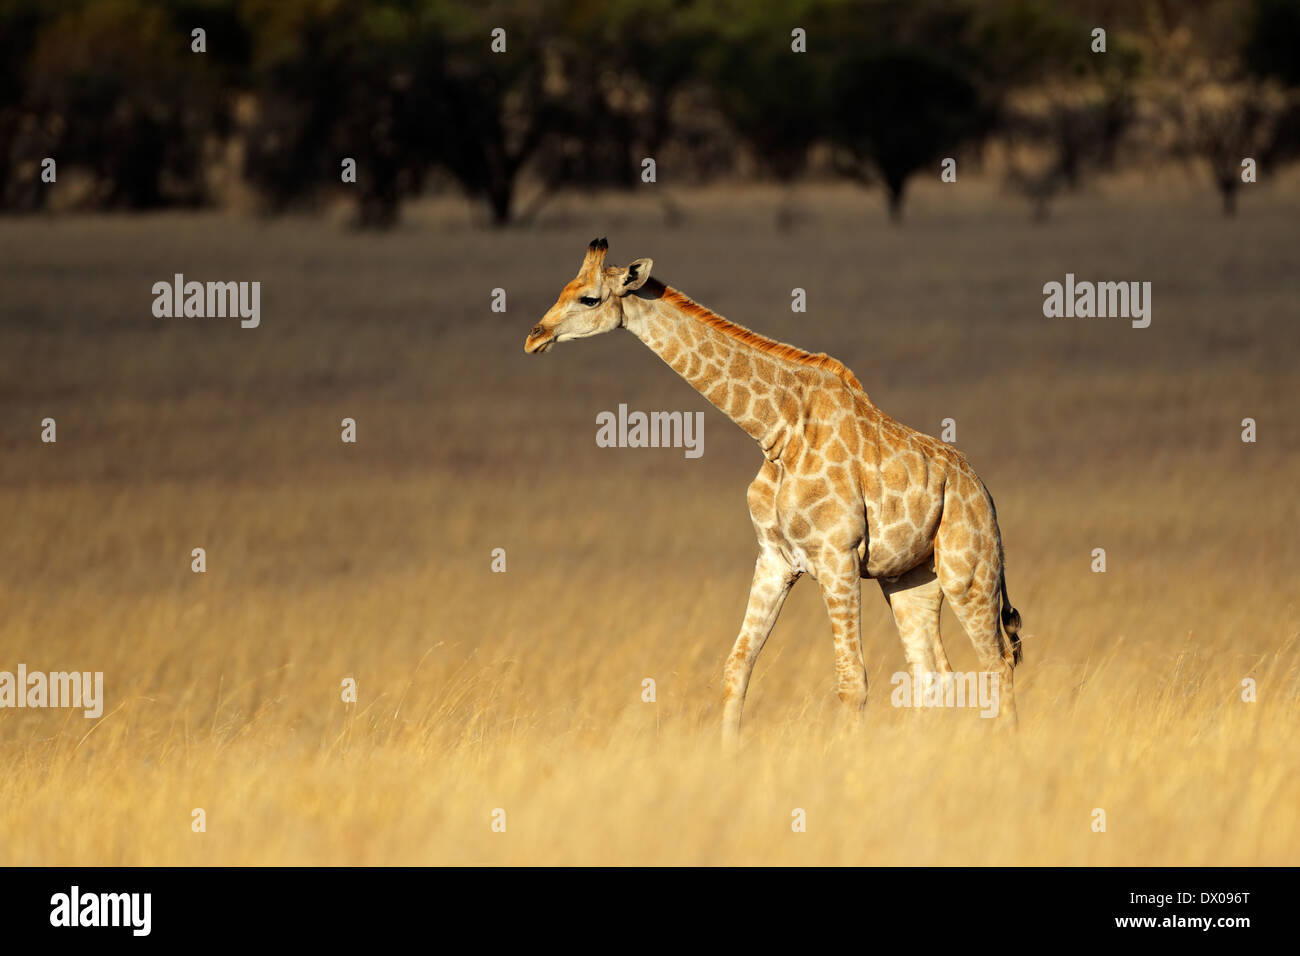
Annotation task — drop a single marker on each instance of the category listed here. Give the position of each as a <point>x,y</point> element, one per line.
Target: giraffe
<point>845,492</point>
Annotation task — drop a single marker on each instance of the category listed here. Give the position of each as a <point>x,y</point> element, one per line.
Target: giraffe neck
<point>756,390</point>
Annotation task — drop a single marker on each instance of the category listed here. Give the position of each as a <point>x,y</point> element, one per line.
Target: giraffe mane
<point>761,342</point>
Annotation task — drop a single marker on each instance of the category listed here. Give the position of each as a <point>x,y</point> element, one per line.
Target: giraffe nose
<point>537,330</point>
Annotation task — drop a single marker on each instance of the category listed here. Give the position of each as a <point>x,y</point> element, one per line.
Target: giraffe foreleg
<point>841,583</point>
<point>773,578</point>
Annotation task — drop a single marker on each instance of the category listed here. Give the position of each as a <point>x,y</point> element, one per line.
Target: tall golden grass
<point>522,691</point>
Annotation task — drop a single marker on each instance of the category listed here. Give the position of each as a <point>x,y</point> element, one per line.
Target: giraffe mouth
<point>537,346</point>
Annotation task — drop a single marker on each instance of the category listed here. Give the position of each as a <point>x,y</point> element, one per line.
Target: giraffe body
<point>845,492</point>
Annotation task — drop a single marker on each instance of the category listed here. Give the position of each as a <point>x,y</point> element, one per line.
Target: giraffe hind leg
<point>973,594</point>
<point>916,600</point>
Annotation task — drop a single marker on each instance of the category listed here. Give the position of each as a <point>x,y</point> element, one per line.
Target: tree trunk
<point>377,211</point>
<point>1228,190</point>
<point>894,194</point>
<point>500,199</point>
<point>785,210</point>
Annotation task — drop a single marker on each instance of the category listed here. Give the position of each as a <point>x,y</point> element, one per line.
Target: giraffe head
<point>590,304</point>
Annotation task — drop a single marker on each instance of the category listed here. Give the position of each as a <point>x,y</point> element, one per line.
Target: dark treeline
<point>586,90</point>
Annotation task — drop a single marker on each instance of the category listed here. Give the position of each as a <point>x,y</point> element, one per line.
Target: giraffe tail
<point>1011,622</point>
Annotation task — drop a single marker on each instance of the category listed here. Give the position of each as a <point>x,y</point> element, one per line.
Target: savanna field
<point>523,690</point>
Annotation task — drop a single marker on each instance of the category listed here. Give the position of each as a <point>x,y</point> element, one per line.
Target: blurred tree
<point>1269,53</point>
<point>399,86</point>
<point>774,97</point>
<point>1061,108</point>
<point>620,71</point>
<point>900,111</point>
<point>1218,92</point>
<point>489,113</point>
<point>1223,124</point>
<point>326,76</point>
<point>116,91</point>
<point>22,137</point>
<point>904,89</point>
<point>1272,39</point>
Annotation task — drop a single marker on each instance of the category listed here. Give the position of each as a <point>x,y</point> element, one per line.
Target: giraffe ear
<point>631,277</point>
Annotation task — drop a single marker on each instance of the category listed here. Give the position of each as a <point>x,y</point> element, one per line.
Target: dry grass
<point>522,690</point>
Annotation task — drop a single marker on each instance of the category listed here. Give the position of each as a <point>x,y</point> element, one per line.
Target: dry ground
<point>522,690</point>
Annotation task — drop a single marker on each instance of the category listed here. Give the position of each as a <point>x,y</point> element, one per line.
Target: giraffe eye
<point>589,300</point>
